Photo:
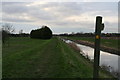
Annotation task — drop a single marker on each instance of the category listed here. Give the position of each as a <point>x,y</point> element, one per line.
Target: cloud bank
<point>62,16</point>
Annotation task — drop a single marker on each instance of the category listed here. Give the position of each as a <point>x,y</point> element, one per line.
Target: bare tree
<point>7,29</point>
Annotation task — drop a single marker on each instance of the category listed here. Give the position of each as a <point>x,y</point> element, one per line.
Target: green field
<point>34,58</point>
<point>113,43</point>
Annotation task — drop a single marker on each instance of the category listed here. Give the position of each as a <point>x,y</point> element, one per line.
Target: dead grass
<point>74,46</point>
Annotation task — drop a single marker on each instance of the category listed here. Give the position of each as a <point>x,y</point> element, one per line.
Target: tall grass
<point>110,69</point>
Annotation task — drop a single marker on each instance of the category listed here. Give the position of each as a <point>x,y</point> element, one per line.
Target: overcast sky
<point>61,17</point>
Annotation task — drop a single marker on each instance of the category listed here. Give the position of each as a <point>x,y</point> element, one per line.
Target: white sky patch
<point>111,19</point>
<point>85,19</point>
<point>36,3</point>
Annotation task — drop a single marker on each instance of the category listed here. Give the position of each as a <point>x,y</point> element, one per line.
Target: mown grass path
<point>34,58</point>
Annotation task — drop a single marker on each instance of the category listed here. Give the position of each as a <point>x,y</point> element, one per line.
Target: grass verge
<point>34,58</point>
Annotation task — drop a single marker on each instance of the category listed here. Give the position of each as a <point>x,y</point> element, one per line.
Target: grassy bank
<point>113,43</point>
<point>33,58</point>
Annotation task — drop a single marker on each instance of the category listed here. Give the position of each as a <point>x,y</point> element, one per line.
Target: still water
<point>106,58</point>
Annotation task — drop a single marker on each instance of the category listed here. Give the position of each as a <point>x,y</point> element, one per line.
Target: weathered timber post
<point>98,29</point>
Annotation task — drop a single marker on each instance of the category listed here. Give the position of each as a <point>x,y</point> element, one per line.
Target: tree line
<point>89,34</point>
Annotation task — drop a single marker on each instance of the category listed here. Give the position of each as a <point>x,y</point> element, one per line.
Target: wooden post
<point>98,29</point>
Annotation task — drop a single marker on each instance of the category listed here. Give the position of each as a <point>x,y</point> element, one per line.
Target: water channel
<point>106,59</point>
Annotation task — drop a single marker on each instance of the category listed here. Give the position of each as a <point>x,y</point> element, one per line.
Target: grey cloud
<point>14,7</point>
<point>103,8</point>
<point>58,12</point>
<point>100,6</point>
<point>64,9</point>
<point>16,20</point>
<point>41,15</point>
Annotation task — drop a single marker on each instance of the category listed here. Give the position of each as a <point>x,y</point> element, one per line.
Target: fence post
<point>99,27</point>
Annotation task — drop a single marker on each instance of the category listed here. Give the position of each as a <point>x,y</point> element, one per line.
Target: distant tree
<point>42,33</point>
<point>7,29</point>
<point>46,32</point>
<point>20,32</point>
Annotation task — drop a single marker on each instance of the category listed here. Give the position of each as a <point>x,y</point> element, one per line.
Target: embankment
<point>102,47</point>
